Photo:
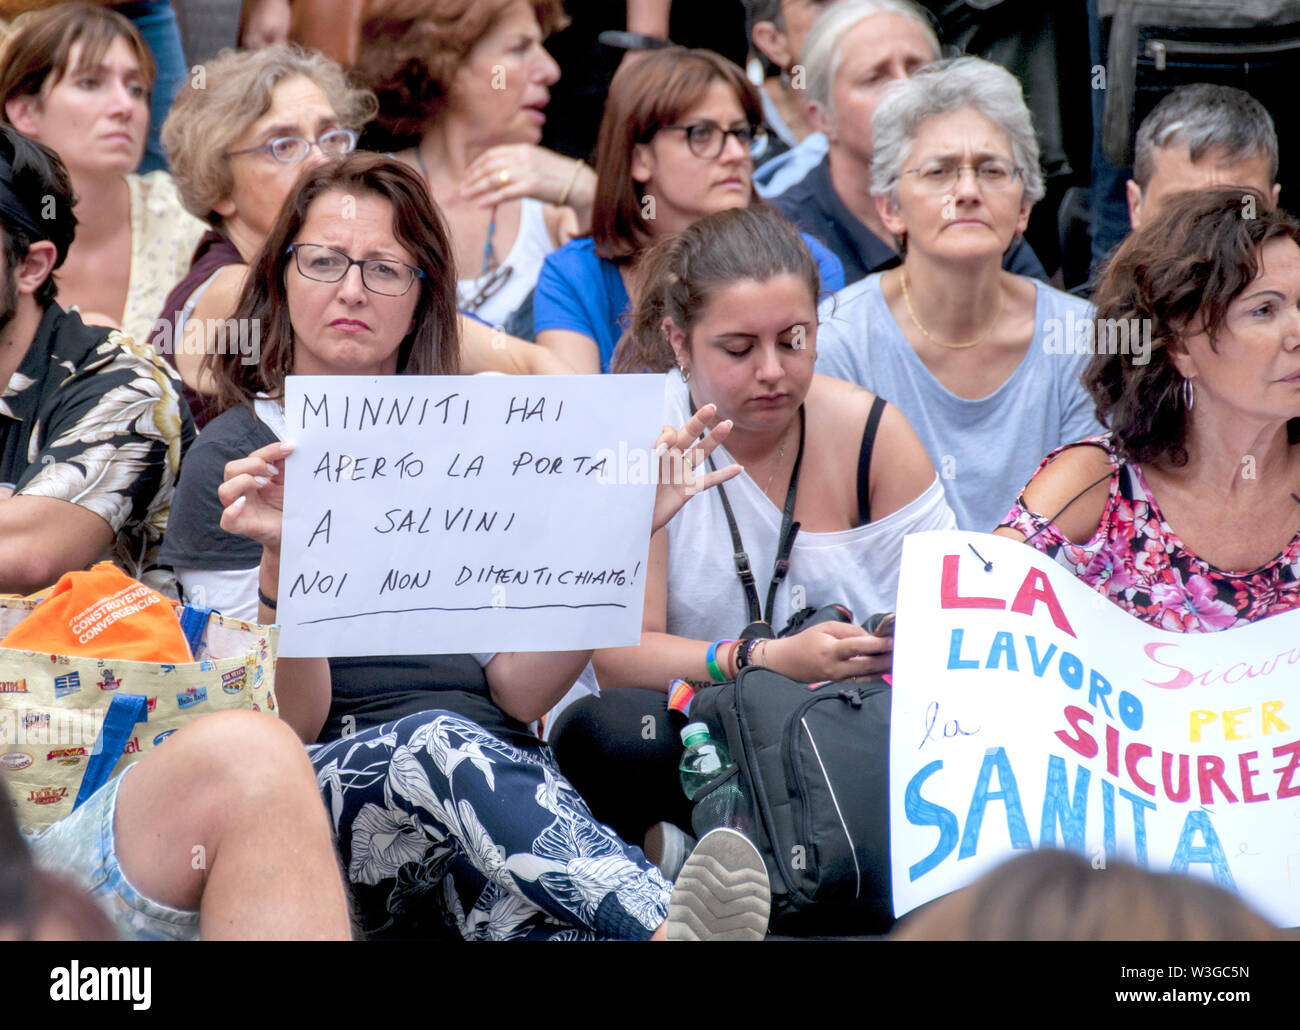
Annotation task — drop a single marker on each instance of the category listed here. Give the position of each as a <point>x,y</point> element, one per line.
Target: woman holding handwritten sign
<point>834,479</point>
<point>354,279</point>
<point>1187,514</point>
<point>237,139</point>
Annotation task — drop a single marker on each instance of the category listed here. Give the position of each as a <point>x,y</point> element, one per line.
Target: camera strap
<point>784,544</point>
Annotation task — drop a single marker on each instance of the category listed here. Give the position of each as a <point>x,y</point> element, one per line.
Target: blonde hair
<point>210,113</point>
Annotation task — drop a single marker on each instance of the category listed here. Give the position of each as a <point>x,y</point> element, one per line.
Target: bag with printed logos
<point>69,723</point>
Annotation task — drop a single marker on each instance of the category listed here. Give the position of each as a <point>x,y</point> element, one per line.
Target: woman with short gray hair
<point>984,363</point>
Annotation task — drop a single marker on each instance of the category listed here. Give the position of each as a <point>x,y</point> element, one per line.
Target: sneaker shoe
<point>666,847</point>
<point>722,892</point>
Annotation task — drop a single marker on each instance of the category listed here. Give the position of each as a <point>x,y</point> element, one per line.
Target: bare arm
<point>906,472</point>
<point>576,350</point>
<point>208,323</point>
<point>1072,491</point>
<point>828,651</point>
<point>527,685</point>
<point>41,538</point>
<point>256,510</point>
<point>649,17</point>
<point>483,349</point>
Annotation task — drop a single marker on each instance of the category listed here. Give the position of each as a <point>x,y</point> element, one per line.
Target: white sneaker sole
<point>722,892</point>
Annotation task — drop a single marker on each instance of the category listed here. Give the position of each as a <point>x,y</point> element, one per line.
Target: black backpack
<point>812,762</point>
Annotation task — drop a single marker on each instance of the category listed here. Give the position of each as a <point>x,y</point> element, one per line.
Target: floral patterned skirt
<point>446,830</point>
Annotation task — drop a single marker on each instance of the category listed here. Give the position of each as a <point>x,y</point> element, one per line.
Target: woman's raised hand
<point>680,453</point>
<point>514,170</point>
<point>830,651</point>
<point>253,495</point>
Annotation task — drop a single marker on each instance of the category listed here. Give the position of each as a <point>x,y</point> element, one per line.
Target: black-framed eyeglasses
<point>707,139</point>
<point>942,176</point>
<point>292,149</point>
<point>378,275</point>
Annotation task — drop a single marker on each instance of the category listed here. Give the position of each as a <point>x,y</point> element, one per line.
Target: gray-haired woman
<point>985,364</point>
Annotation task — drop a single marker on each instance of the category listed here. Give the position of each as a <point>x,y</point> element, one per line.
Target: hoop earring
<point>1188,396</point>
<point>684,372</point>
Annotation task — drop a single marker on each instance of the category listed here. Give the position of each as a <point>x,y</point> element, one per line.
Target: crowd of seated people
<point>865,354</point>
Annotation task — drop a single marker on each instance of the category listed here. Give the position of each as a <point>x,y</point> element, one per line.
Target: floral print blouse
<point>1136,560</point>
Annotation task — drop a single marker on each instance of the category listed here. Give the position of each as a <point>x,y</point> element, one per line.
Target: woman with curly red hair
<point>462,87</point>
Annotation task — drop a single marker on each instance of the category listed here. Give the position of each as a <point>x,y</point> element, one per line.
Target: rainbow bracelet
<point>711,660</point>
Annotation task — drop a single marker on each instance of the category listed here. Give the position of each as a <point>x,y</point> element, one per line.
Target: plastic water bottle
<point>705,759</point>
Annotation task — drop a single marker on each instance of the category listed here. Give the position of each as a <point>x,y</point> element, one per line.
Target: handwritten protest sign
<point>428,515</point>
<point>1028,711</point>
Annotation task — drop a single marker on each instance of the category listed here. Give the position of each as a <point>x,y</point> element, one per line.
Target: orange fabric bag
<point>103,613</point>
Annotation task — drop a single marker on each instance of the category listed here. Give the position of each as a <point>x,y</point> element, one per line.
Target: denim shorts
<point>83,848</point>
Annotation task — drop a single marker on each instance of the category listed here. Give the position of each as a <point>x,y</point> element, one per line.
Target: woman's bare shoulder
<point>1072,490</point>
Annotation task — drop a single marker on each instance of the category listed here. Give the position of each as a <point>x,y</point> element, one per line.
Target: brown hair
<point>34,55</point>
<point>1178,274</point>
<point>433,346</point>
<point>205,120</point>
<point>1054,895</point>
<point>682,273</point>
<point>649,92</point>
<point>410,51</point>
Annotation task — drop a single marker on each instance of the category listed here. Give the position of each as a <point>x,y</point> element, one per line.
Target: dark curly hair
<point>1178,274</point>
<point>410,50</point>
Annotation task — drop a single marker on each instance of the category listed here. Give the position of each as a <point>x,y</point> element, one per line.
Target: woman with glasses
<point>237,141</point>
<point>450,815</point>
<point>675,145</point>
<point>77,78</point>
<point>984,363</point>
<point>463,87</point>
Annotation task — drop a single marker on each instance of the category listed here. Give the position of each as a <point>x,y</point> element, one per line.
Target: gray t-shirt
<point>985,450</point>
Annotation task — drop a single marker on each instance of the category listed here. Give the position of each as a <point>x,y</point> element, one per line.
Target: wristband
<point>711,660</point>
<point>745,652</point>
<point>732,667</point>
<point>269,602</point>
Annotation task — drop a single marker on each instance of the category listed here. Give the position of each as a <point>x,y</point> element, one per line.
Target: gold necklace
<point>907,299</point>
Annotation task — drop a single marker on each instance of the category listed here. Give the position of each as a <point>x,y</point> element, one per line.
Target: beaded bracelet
<point>745,652</point>
<point>711,660</point>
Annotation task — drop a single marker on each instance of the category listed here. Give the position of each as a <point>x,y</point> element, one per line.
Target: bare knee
<point>214,781</point>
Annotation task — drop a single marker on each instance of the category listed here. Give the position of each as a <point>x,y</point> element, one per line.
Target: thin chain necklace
<point>489,255</point>
<point>780,456</point>
<point>907,299</point>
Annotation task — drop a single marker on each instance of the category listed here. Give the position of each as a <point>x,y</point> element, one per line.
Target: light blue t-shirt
<point>582,292</point>
<point>984,450</point>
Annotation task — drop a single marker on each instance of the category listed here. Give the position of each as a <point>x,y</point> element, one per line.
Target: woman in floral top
<point>1186,513</point>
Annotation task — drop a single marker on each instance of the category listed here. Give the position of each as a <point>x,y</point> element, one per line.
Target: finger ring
<point>503,176</point>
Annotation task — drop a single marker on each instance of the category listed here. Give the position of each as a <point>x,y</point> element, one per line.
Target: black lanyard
<point>785,543</point>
